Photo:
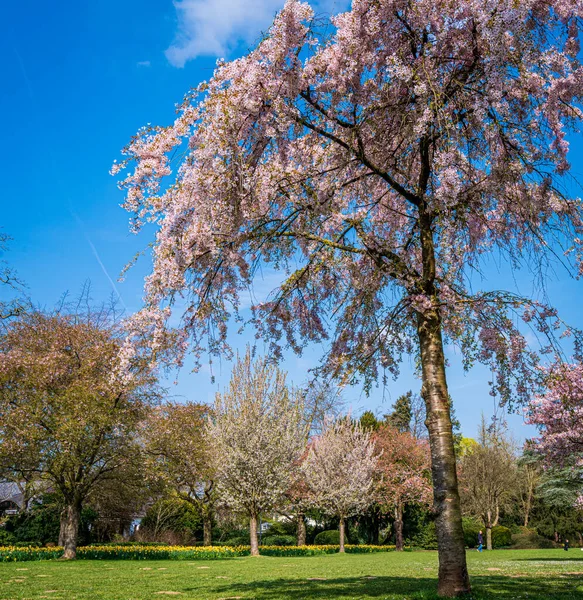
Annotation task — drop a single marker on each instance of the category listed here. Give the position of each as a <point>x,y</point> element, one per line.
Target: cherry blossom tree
<point>558,413</point>
<point>339,471</point>
<point>69,417</point>
<point>404,467</point>
<point>177,443</point>
<point>258,433</point>
<point>378,164</point>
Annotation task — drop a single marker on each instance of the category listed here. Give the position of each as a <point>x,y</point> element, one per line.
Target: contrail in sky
<point>98,259</point>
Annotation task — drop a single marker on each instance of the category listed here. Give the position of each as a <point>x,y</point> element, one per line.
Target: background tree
<point>529,474</point>
<point>339,470</point>
<point>402,413</point>
<point>178,445</point>
<point>68,415</point>
<point>488,477</point>
<point>12,302</point>
<point>379,163</point>
<point>404,468</point>
<point>258,433</point>
<point>323,402</point>
<point>368,421</point>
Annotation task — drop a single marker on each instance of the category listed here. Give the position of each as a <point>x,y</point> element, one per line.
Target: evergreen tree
<point>400,418</point>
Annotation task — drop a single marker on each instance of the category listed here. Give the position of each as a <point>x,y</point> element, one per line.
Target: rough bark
<point>253,535</point>
<point>488,537</point>
<point>207,530</point>
<point>69,529</point>
<point>342,533</point>
<point>301,531</point>
<point>399,528</point>
<point>453,572</point>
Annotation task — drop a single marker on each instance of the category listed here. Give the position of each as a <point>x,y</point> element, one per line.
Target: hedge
<point>122,552</point>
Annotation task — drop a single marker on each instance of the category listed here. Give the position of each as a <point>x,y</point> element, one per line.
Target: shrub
<point>278,540</point>
<point>329,537</point>
<point>529,539</point>
<point>426,538</point>
<point>501,537</point>
<point>237,540</point>
<point>171,519</point>
<point>471,529</point>
<point>6,538</point>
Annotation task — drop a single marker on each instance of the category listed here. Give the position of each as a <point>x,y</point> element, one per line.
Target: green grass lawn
<point>500,574</point>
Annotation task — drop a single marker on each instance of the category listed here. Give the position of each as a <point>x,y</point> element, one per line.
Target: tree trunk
<point>207,530</point>
<point>69,530</point>
<point>342,528</point>
<point>488,537</point>
<point>529,495</point>
<point>301,531</point>
<point>399,528</point>
<point>253,535</point>
<point>375,528</point>
<point>453,572</point>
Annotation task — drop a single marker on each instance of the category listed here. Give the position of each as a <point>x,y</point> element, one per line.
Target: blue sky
<point>78,79</point>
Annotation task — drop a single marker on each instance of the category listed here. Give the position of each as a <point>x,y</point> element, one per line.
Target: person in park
<point>380,166</point>
<point>566,546</point>
<point>480,541</point>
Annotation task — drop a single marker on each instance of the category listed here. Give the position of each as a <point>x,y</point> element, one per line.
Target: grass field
<point>500,574</point>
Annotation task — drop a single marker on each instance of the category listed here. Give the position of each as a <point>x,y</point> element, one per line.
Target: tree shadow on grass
<point>408,588</point>
<point>553,559</point>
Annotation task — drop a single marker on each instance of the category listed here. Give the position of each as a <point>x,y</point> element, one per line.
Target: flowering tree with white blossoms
<point>378,163</point>
<point>257,435</point>
<point>339,471</point>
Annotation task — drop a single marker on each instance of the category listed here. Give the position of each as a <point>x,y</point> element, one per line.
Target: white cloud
<point>144,63</point>
<point>216,27</point>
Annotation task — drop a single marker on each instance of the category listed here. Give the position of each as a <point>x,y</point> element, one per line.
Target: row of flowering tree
<point>263,458</point>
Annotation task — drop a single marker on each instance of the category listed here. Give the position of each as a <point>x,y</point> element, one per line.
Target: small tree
<point>68,416</point>
<point>488,478</point>
<point>339,471</point>
<point>258,433</point>
<point>177,443</point>
<point>404,468</point>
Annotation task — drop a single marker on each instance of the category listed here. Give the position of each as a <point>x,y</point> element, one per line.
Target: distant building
<point>11,498</point>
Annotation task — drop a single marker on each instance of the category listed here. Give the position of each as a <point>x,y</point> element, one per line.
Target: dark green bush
<point>327,537</point>
<point>6,538</point>
<point>529,539</point>
<point>501,537</point>
<point>278,540</point>
<point>236,540</point>
<point>471,529</point>
<point>426,538</point>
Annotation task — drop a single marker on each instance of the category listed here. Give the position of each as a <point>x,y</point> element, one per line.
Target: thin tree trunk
<point>207,530</point>
<point>69,530</point>
<point>253,535</point>
<point>453,572</point>
<point>528,503</point>
<point>399,528</point>
<point>489,537</point>
<point>375,528</point>
<point>301,531</point>
<point>342,530</point>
